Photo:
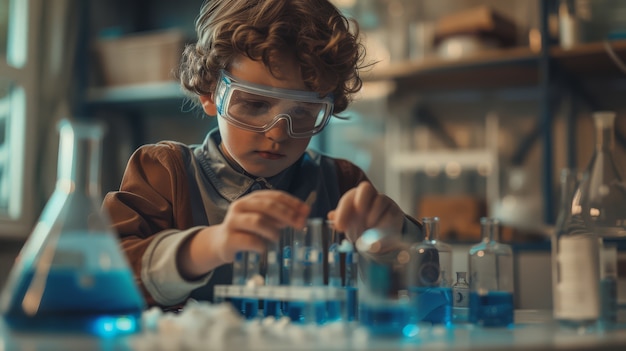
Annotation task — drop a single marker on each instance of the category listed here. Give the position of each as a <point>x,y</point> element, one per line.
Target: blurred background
<point>471,109</point>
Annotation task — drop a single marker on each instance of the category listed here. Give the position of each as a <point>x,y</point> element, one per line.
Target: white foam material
<point>202,325</point>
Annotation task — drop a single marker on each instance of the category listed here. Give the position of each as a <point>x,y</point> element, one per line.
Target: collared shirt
<point>170,191</point>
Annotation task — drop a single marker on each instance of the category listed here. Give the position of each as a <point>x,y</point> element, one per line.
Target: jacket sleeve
<point>151,215</point>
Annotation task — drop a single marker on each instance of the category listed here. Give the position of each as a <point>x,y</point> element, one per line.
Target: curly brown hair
<point>325,44</point>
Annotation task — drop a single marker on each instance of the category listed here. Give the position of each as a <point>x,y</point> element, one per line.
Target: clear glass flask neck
<point>490,230</point>
<point>431,228</point>
<point>79,158</point>
<point>601,195</point>
<point>604,123</point>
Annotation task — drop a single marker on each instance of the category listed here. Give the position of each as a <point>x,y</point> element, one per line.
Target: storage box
<point>139,58</point>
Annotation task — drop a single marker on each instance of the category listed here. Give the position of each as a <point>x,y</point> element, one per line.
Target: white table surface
<point>533,330</point>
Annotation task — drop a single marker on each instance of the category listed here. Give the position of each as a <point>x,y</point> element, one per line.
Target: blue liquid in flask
<point>494,309</point>
<point>433,304</point>
<point>386,320</point>
<point>94,301</point>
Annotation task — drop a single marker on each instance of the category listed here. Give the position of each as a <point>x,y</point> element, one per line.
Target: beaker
<point>71,275</point>
<point>385,307</point>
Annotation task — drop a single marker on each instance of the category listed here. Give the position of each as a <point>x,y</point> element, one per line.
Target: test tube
<point>239,278</point>
<point>307,269</point>
<point>334,308</point>
<point>342,257</point>
<point>308,264</point>
<point>250,305</point>
<point>286,246</point>
<point>350,282</point>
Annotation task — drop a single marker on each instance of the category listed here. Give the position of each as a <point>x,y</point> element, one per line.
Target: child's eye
<point>304,112</point>
<point>249,107</point>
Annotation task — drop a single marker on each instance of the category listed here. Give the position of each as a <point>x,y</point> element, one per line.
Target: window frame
<point>19,224</point>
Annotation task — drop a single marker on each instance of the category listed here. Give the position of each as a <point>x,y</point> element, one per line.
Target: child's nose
<point>279,132</point>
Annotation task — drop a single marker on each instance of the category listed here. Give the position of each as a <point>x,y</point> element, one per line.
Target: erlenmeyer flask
<point>71,275</point>
<point>601,196</point>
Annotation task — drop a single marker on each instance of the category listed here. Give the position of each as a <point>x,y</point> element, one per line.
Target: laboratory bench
<point>533,330</point>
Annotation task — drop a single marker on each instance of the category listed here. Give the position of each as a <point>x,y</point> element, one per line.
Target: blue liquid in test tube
<point>286,242</point>
<point>239,278</point>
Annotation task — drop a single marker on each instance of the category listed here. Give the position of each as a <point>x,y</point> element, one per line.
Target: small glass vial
<point>491,279</point>
<point>430,288</point>
<point>460,298</point>
<point>461,290</point>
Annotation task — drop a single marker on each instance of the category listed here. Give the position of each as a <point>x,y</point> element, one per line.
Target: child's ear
<point>208,105</point>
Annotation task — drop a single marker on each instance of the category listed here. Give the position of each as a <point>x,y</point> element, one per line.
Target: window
<point>18,56</point>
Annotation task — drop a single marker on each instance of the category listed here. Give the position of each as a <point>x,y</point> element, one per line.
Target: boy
<point>272,72</point>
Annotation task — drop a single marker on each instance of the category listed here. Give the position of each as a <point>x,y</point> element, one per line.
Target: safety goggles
<point>258,108</point>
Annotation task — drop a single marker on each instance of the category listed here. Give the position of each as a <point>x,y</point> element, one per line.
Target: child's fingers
<point>281,207</point>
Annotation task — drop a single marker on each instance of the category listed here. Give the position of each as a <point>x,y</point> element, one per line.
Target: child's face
<point>262,154</point>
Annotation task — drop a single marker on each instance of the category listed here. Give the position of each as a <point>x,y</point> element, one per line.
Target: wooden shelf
<point>488,69</point>
<point>498,68</point>
<point>591,59</point>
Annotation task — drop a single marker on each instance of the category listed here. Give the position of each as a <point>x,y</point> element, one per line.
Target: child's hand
<point>362,208</point>
<point>255,219</point>
<point>250,222</point>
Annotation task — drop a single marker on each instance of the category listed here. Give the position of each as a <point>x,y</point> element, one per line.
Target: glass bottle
<point>429,278</point>
<point>71,275</point>
<point>601,196</point>
<point>598,213</point>
<point>491,278</point>
<point>575,265</point>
